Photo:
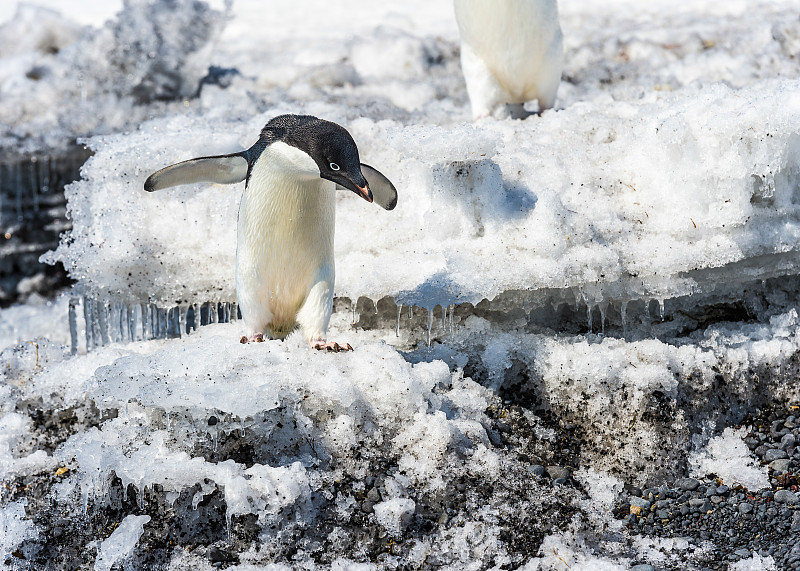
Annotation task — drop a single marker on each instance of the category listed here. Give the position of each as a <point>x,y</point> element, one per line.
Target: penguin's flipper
<point>223,169</point>
<point>383,191</point>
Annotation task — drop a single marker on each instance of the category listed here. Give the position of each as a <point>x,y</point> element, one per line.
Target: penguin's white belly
<point>284,249</point>
<point>519,42</point>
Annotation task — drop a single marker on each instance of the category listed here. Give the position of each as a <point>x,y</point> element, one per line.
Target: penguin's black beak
<point>354,182</point>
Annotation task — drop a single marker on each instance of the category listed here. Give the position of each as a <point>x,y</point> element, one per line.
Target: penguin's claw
<point>257,338</point>
<point>332,346</point>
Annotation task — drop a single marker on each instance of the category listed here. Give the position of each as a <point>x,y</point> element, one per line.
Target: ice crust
<point>121,542</point>
<point>651,193</point>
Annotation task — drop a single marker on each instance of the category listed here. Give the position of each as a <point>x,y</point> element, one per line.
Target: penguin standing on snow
<point>511,52</point>
<point>284,251</point>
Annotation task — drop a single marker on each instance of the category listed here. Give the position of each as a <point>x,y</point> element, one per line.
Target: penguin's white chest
<point>285,238</point>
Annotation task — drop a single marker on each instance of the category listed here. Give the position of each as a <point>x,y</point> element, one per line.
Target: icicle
<point>87,318</point>
<point>602,319</point>
<point>183,313</point>
<point>444,317</point>
<point>624,313</point>
<point>96,338</point>
<point>410,312</point>
<point>661,308</point>
<point>45,172</point>
<point>17,172</point>
<point>589,309</point>
<point>397,323</point>
<point>241,428</point>
<point>430,325</point>
<point>73,326</point>
<point>353,309</point>
<point>146,321</point>
<point>452,311</point>
<point>103,309</point>
<point>124,322</point>
<point>163,323</point>
<point>133,322</point>
<point>114,334</point>
<point>34,185</point>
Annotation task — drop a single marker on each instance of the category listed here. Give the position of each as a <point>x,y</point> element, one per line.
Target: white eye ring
<point>334,167</point>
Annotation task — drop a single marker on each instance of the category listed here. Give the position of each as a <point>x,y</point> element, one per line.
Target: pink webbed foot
<point>256,338</point>
<point>331,346</point>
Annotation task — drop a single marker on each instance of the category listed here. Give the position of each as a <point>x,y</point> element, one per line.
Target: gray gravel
<point>736,521</point>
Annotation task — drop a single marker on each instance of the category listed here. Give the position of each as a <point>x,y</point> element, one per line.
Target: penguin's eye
<point>334,167</point>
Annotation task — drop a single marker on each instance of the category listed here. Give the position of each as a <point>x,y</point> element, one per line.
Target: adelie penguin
<point>284,252</point>
<point>511,52</point>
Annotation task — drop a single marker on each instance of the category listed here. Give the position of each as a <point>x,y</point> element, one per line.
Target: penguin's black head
<point>328,144</point>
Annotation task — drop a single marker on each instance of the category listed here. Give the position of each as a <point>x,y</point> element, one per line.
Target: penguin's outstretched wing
<point>223,169</point>
<point>383,191</point>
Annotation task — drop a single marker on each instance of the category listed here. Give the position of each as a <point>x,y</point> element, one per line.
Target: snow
<point>573,258</point>
<point>755,563</point>
<point>728,457</point>
<point>14,528</point>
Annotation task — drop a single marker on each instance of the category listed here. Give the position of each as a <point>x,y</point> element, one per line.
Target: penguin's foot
<point>256,338</point>
<point>331,346</point>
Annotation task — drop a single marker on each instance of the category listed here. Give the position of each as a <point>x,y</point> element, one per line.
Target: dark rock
<point>786,497</point>
<point>556,472</point>
<point>217,555</point>
<point>688,484</point>
<point>774,454</point>
<point>537,470</point>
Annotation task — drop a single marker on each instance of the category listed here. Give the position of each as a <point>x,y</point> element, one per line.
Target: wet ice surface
<point>637,244</point>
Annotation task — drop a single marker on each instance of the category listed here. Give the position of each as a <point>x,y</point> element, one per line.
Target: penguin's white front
<point>284,254</point>
<point>511,52</point>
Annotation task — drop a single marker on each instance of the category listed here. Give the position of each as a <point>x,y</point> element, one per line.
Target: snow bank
<point>59,80</point>
<point>295,408</point>
<point>633,200</point>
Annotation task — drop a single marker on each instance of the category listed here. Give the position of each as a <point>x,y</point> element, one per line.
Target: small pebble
<point>688,484</point>
<point>745,508</point>
<point>781,465</point>
<point>556,472</point>
<point>643,567</point>
<point>639,502</point>
<point>537,470</point>
<point>217,555</point>
<point>786,497</point>
<point>774,454</point>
